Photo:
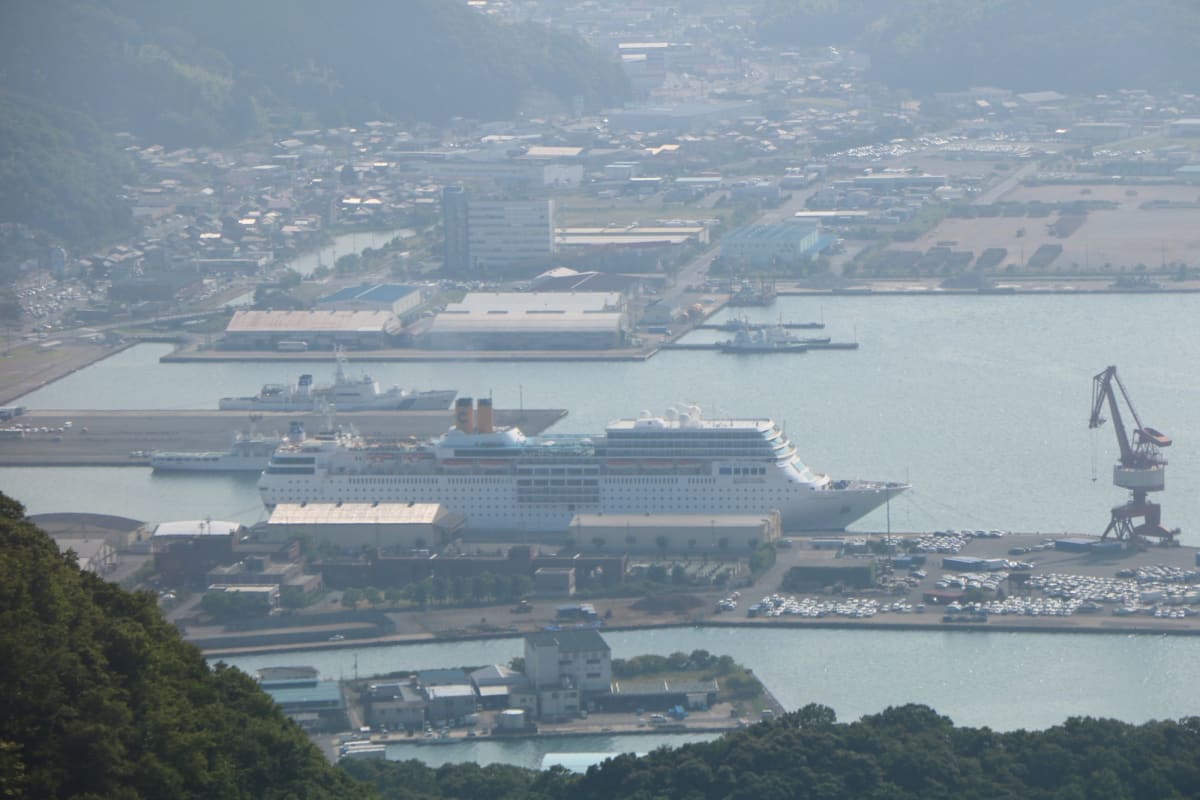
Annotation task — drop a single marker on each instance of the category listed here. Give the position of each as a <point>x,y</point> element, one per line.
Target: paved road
<point>1005,186</point>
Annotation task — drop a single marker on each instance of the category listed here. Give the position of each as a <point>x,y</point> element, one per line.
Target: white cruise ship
<point>248,453</point>
<point>502,480</point>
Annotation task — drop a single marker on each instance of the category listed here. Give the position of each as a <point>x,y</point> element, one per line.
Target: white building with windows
<point>503,234</point>
<point>578,659</point>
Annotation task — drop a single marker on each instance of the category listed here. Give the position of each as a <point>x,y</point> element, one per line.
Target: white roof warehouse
<point>530,321</point>
<point>319,330</point>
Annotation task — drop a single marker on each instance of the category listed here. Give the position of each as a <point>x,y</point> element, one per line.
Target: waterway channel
<point>1005,681</point>
<point>344,244</point>
<point>980,402</point>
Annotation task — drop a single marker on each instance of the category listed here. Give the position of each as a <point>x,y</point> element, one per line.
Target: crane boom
<point>1102,391</point>
<point>1140,468</point>
<point>1138,450</point>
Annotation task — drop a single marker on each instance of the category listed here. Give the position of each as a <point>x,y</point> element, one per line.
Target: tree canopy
<point>60,173</point>
<point>218,72</point>
<point>103,699</point>
<point>214,72</point>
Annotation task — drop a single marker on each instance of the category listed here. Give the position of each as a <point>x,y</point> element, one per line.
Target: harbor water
<point>980,402</point>
<point>1005,681</point>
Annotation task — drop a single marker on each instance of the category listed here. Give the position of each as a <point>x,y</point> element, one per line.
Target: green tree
<point>225,606</point>
<point>521,586</point>
<point>420,592</point>
<point>292,597</point>
<point>104,699</point>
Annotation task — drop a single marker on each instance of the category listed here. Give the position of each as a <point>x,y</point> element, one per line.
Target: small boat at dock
<point>765,340</point>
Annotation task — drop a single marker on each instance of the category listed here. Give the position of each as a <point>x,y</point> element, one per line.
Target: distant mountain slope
<point>1070,45</point>
<point>60,173</point>
<point>216,72</point>
<point>103,699</point>
<point>194,72</point>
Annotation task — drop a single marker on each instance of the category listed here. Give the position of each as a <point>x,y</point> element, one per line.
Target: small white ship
<point>248,453</point>
<point>345,394</point>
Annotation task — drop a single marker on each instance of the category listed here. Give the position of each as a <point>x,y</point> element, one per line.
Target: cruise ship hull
<point>491,503</point>
<point>498,479</point>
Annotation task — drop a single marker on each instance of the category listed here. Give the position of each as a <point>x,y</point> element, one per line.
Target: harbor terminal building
<point>530,321</point>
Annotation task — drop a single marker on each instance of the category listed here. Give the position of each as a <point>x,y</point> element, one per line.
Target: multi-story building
<point>488,234</point>
<point>509,233</point>
<point>579,659</point>
<point>456,255</point>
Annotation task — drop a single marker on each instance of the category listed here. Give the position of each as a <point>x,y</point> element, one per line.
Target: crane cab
<point>1156,438</point>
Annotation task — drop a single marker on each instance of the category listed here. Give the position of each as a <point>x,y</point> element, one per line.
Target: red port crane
<point>1141,468</point>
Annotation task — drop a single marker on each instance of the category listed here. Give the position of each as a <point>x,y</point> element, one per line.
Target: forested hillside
<point>216,72</point>
<point>102,699</point>
<point>1068,45</point>
<point>60,173</point>
<point>194,72</point>
<point>906,753</point>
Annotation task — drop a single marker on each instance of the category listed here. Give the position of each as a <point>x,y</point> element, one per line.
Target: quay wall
<point>125,438</point>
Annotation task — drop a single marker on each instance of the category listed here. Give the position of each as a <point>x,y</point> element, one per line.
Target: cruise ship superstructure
<point>502,480</point>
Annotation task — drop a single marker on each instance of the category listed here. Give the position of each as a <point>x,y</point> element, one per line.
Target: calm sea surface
<point>1002,680</point>
<point>981,403</point>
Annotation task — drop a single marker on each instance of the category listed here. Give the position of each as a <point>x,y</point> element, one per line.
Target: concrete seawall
<point>116,438</point>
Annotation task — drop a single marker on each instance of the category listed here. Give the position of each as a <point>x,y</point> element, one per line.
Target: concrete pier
<point>125,438</point>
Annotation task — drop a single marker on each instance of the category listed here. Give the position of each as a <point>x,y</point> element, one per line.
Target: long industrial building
<point>765,245</point>
<point>530,321</point>
<point>352,526</point>
<point>309,330</point>
<point>732,534</point>
<point>395,298</point>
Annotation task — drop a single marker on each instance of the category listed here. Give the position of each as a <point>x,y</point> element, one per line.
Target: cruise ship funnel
<point>464,414</point>
<point>484,422</point>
